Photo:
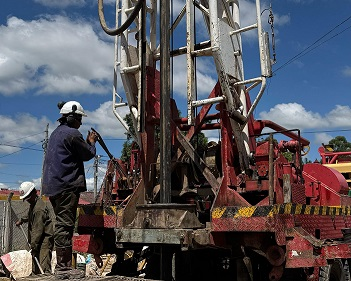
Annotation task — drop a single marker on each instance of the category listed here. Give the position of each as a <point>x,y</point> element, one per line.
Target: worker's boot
<point>64,268</point>
<point>64,263</point>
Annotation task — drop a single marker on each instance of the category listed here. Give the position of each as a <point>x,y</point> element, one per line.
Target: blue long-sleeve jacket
<point>63,163</point>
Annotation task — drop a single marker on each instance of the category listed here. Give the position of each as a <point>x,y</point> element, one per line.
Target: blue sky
<point>54,50</point>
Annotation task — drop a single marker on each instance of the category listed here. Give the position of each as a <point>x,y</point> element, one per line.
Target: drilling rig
<point>233,209</point>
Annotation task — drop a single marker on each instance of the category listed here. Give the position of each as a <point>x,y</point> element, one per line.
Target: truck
<point>242,207</point>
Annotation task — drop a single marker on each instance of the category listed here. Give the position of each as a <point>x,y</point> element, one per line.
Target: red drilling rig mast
<point>235,209</point>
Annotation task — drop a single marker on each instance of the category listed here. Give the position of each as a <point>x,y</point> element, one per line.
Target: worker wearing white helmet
<point>64,180</point>
<point>25,189</point>
<point>72,113</point>
<point>72,106</point>
<point>40,228</point>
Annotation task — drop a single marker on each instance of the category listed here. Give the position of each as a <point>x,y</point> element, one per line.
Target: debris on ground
<point>18,263</point>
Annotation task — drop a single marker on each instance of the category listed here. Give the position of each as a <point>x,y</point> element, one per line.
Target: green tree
<point>339,143</point>
<point>126,151</point>
<point>199,141</point>
<point>127,145</point>
<point>288,155</point>
<point>129,121</point>
<point>306,160</point>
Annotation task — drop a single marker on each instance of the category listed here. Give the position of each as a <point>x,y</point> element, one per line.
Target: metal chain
<point>271,22</point>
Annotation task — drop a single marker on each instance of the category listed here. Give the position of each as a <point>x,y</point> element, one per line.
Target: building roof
<point>85,197</point>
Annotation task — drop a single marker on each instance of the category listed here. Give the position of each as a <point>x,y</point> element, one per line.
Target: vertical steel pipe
<point>271,170</point>
<point>165,153</point>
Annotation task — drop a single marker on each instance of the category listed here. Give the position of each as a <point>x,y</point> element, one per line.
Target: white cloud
<point>340,116</point>
<point>60,3</point>
<point>247,13</point>
<point>53,55</point>
<point>293,115</point>
<point>90,179</point>
<point>3,186</point>
<point>280,20</point>
<point>205,84</point>
<point>105,122</point>
<point>108,2</point>
<point>320,138</point>
<point>347,71</point>
<point>37,183</point>
<point>22,129</point>
<point>205,73</point>
<point>248,17</point>
<point>212,135</point>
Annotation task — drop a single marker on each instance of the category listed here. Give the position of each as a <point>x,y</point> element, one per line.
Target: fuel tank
<point>324,185</point>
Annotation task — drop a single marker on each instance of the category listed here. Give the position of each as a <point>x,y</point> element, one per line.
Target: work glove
<point>87,139</point>
<point>33,252</point>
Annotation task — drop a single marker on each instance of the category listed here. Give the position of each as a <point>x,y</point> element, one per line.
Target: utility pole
<point>45,146</point>
<point>96,168</point>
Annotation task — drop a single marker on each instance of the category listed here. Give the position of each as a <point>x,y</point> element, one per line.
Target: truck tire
<point>337,271</point>
<point>293,274</point>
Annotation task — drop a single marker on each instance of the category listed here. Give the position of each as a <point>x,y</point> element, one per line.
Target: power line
<point>25,137</point>
<point>18,164</point>
<point>326,131</point>
<point>22,148</point>
<point>312,47</point>
<point>28,148</point>
<point>115,139</point>
<point>9,174</point>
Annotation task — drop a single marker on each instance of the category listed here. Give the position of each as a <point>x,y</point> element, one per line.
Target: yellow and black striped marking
<point>279,209</point>
<point>97,210</point>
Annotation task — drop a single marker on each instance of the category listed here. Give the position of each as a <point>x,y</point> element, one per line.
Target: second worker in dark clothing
<point>64,180</point>
<point>40,228</point>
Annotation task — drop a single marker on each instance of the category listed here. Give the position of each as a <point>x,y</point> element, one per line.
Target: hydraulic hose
<point>125,25</point>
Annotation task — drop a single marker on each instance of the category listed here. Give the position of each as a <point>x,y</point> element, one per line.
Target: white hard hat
<point>72,107</point>
<point>26,188</point>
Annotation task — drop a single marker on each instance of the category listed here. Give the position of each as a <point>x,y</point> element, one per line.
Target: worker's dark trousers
<point>65,208</point>
<point>44,258</point>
